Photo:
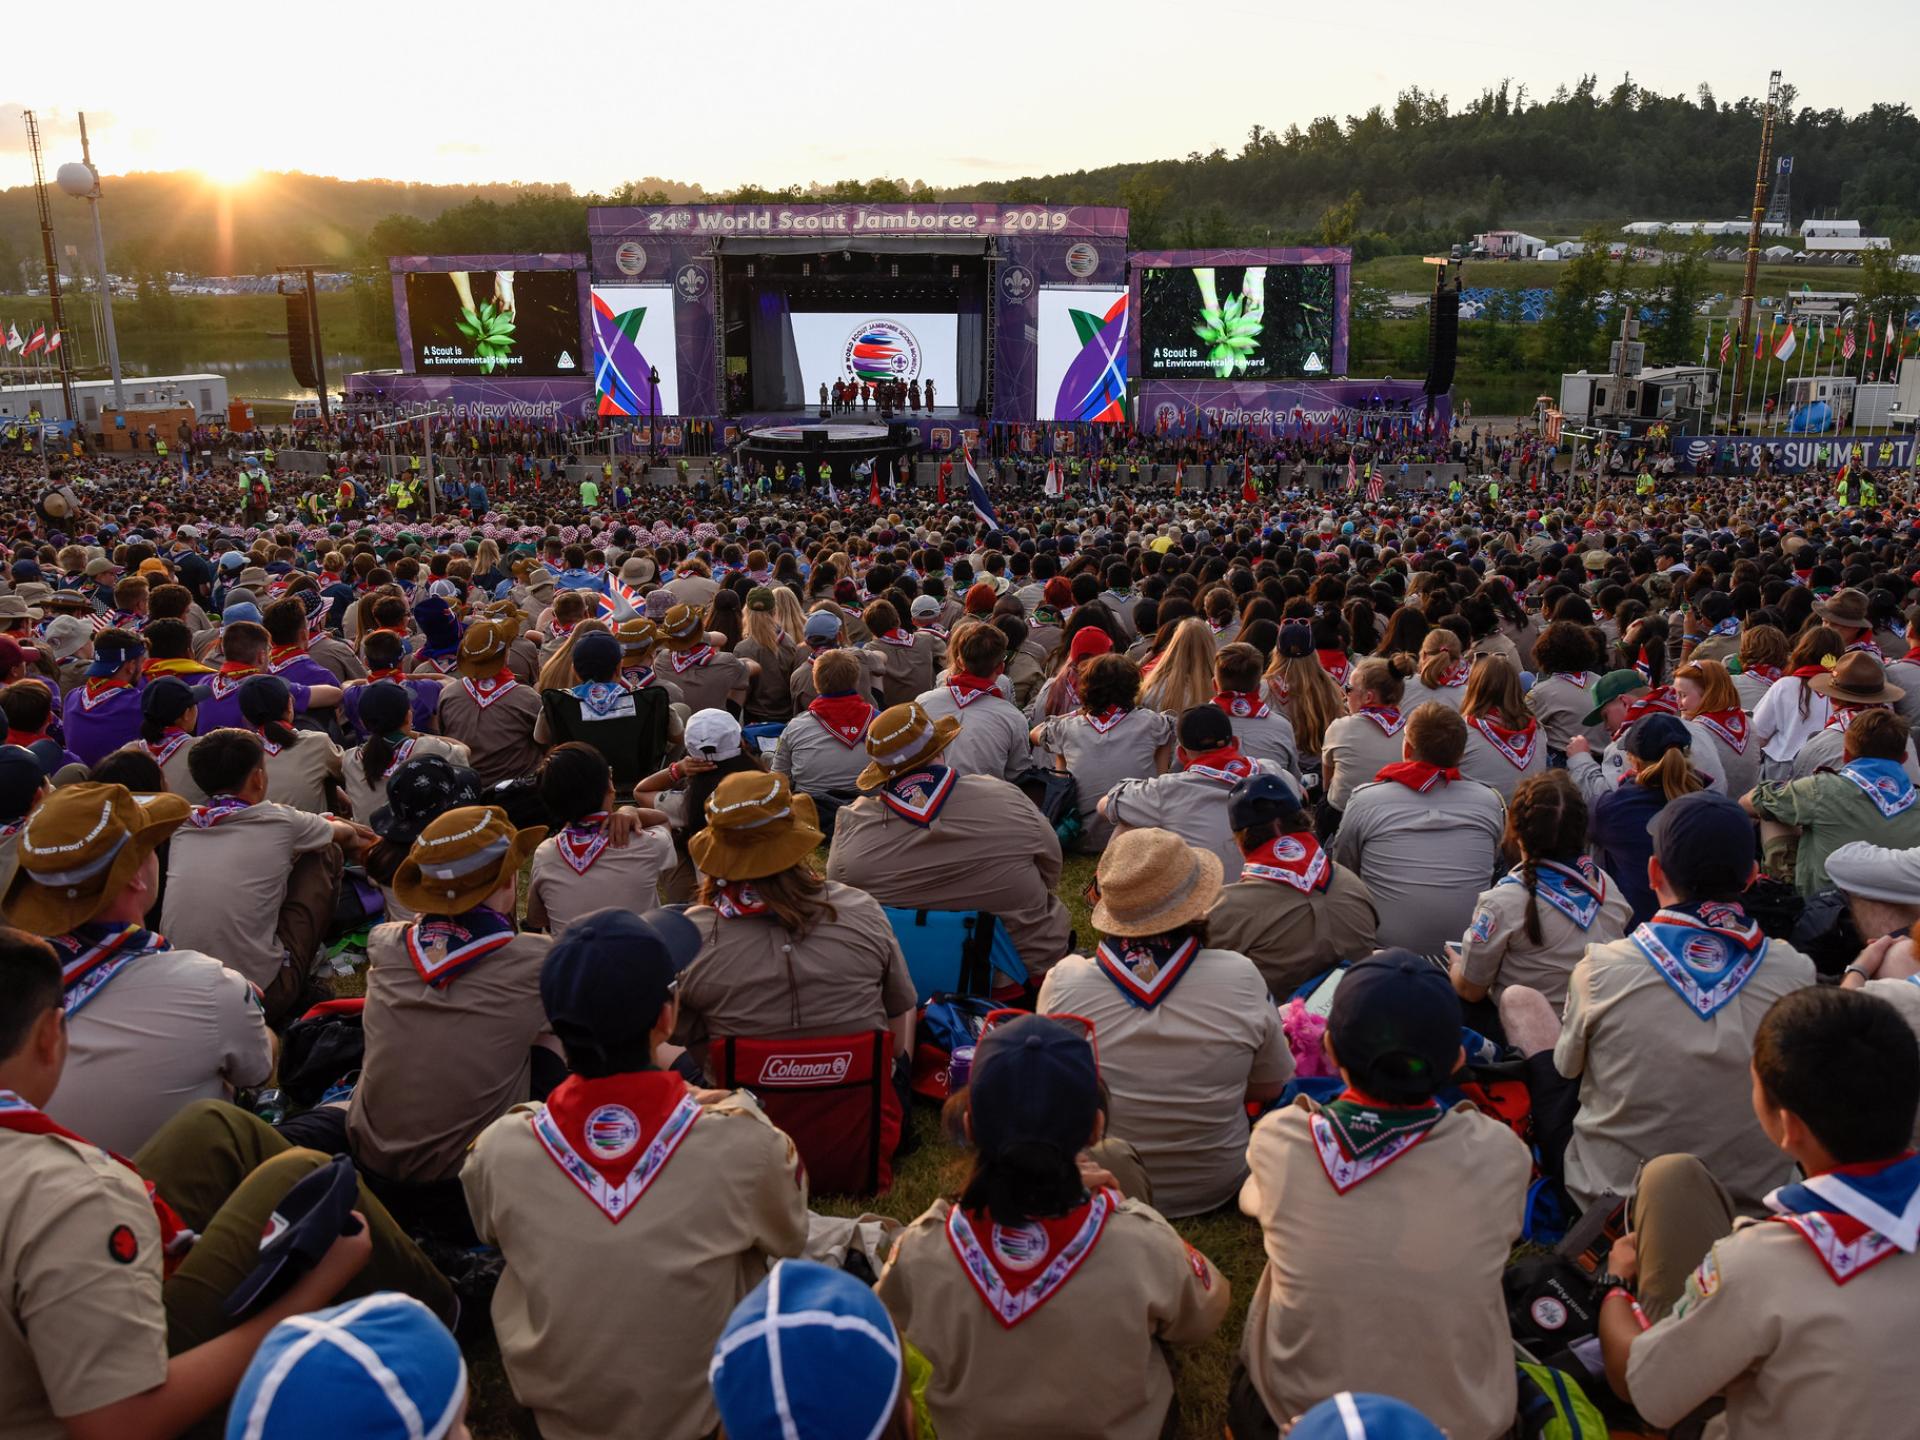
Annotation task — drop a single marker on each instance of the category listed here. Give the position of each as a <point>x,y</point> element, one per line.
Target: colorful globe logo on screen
<point>1082,259</point>
<point>630,257</point>
<point>882,350</point>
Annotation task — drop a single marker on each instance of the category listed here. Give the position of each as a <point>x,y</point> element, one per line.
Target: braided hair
<point>1546,821</point>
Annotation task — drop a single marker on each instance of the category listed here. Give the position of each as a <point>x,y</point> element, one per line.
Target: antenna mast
<point>1741,360</point>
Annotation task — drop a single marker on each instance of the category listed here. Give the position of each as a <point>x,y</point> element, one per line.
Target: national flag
<point>1353,473</point>
<point>14,342</point>
<point>53,342</point>
<point>1726,345</point>
<point>976,492</point>
<point>1248,492</point>
<point>1872,335</point>
<point>1783,350</point>
<point>1376,485</point>
<point>833,495</point>
<point>38,342</point>
<point>1056,486</point>
<point>619,602</point>
<point>873,487</point>
<point>1846,346</point>
<point>1179,476</point>
<point>1759,343</point>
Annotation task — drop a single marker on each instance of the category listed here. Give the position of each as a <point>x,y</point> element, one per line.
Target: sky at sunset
<point>723,94</point>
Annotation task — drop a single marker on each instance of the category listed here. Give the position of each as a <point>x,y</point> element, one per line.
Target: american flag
<point>1376,485</point>
<point>1353,474</point>
<point>1726,345</point>
<point>1846,346</point>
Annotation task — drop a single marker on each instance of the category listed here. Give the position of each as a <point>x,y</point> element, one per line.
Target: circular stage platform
<point>840,445</point>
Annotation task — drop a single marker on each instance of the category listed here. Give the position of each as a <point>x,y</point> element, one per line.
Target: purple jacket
<point>221,709</point>
<point>302,669</point>
<point>95,730</point>
<point>421,689</point>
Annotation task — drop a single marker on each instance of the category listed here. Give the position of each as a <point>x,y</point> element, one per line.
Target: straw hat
<point>756,827</point>
<point>1857,679</point>
<point>483,649</point>
<point>900,739</point>
<point>1152,881</point>
<point>81,847</point>
<point>680,628</point>
<point>461,858</point>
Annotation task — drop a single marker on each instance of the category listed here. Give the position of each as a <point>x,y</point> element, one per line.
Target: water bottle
<point>959,1068</point>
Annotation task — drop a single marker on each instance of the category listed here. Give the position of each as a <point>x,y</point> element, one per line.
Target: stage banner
<point>1029,266</point>
<point>495,316</point>
<point>1082,354</point>
<point>545,402</point>
<point>1330,410</point>
<point>1794,453</point>
<point>1241,315</point>
<point>633,340</point>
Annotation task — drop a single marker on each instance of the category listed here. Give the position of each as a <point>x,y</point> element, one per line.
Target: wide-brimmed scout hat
<point>900,739</point>
<point>756,827</point>
<point>483,649</point>
<point>1845,608</point>
<point>461,858</point>
<point>15,607</point>
<point>680,628</point>
<point>1857,679</point>
<point>1152,881</point>
<point>638,636</point>
<point>79,849</point>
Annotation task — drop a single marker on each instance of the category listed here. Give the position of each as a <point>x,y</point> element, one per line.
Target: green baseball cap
<point>1612,686</point>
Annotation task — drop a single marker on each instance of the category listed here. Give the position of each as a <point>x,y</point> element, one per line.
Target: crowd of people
<point>422,936</point>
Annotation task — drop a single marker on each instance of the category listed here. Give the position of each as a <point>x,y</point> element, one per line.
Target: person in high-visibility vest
<point>267,456</point>
<point>160,449</point>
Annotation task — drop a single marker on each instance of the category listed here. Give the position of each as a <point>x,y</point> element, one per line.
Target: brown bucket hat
<point>901,738</point>
<point>1152,881</point>
<point>1857,679</point>
<point>756,827</point>
<point>681,630</point>
<point>483,649</point>
<point>1845,608</point>
<point>81,846</point>
<point>461,858</point>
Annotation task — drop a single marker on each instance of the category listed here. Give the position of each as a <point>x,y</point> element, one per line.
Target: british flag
<point>622,603</point>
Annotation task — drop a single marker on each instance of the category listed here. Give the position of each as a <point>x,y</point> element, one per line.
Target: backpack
<point>1056,795</point>
<point>946,1024</point>
<point>1554,1407</point>
<point>321,1048</point>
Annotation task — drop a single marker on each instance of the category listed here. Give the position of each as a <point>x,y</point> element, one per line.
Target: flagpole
<point>1720,380</point>
<point>1801,374</point>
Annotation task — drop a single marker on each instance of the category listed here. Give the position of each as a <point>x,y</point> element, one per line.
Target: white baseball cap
<point>712,735</point>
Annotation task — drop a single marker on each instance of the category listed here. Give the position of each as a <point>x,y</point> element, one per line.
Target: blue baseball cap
<point>605,982</point>
<point>1034,1082</point>
<point>1704,842</point>
<point>822,626</point>
<point>1348,1416</point>
<point>378,1368</point>
<point>238,611</point>
<point>314,1213</point>
<point>26,570</point>
<point>810,1353</point>
<point>1395,1024</point>
<point>1652,736</point>
<point>106,661</point>
<point>597,655</point>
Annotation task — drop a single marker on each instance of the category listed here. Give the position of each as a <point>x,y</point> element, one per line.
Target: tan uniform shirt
<point>500,736</point>
<point>1268,737</point>
<point>1291,936</point>
<point>441,1065</point>
<point>1128,750</point>
<point>1740,768</point>
<point>78,1329</point>
<point>1904,995</point>
<point>171,1028</point>
<point>1561,704</point>
<point>805,692</point>
<point>1795,1354</point>
<point>1423,858</point>
<point>814,760</point>
<point>1393,1287</point>
<point>336,656</point>
<point>366,796</point>
<point>226,884</point>
<point>1484,761</point>
<point>1656,1079</point>
<point>625,876</point>
<point>1353,751</point>
<point>752,980</point>
<point>992,738</point>
<point>1100,1335</point>
<point>988,848</point>
<point>1750,688</point>
<point>644,1301</point>
<point>298,775</point>
<point>1178,1073</point>
<point>906,670</point>
<point>772,697</point>
<point>705,686</point>
<point>1191,805</point>
<point>1497,952</point>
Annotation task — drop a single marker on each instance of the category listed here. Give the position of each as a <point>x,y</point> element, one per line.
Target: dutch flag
<point>976,492</point>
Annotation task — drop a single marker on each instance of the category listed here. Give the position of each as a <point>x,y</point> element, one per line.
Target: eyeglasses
<point>1079,1024</point>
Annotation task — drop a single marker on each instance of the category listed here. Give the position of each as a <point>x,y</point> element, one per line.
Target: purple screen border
<point>401,266</point>
<point>1340,257</point>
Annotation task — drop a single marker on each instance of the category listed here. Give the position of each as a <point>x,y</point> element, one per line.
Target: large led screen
<point>633,335</point>
<point>1236,322</point>
<point>1083,354</point>
<point>498,323</point>
<point>867,345</point>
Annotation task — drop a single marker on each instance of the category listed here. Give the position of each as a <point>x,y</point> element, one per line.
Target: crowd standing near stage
<point>432,933</point>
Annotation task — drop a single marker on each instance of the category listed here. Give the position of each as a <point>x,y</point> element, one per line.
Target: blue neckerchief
<point>1728,626</point>
<point>1707,951</point>
<point>603,699</point>
<point>1574,890</point>
<point>1857,1215</point>
<point>1884,782</point>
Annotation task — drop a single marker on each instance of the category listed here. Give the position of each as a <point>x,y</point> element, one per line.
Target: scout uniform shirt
<point>446,1055</point>
<point>227,871</point>
<point>297,772</point>
<point>81,1319</point>
<point>1578,905</point>
<point>1870,800</point>
<point>1805,1321</point>
<point>1102,750</point>
<point>931,839</point>
<point>1729,734</point>
<point>1357,747</point>
<point>494,719</point>
<point>993,732</point>
<point>800,682</point>
<point>1385,1246</point>
<point>1423,855</point>
<point>170,753</point>
<point>366,796</point>
<point>753,980</point>
<point>823,749</point>
<point>908,661</point>
<point>705,676</point>
<point>1560,703</point>
<point>653,1217</point>
<point>1192,803</point>
<point>578,870</point>
<point>1183,1033</point>
<point>1051,1328</point>
<point>100,716</point>
<point>150,1029</point>
<point>1658,1028</point>
<point>1904,995</point>
<point>1502,758</point>
<point>1262,730</point>
<point>1294,913</point>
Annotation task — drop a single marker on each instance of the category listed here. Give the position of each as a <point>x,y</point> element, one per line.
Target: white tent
<point>1550,253</point>
<point>1777,252</point>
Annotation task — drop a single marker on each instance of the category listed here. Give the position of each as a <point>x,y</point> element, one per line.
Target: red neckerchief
<point>1417,775</point>
<point>94,691</point>
<point>1335,663</point>
<point>1515,746</point>
<point>1145,969</point>
<point>1456,676</point>
<point>444,947</point>
<point>219,809</point>
<point>1355,1142</point>
<point>485,692</point>
<point>919,794</point>
<point>400,754</point>
<point>1768,673</point>
<point>1663,701</point>
<point>169,743</point>
<point>737,900</point>
<point>1579,679</point>
<point>845,716</point>
<point>1855,1216</point>
<point>613,1136</point>
<point>966,688</point>
<point>1387,717</point>
<point>700,655</point>
<point>581,842</point>
<point>1243,704</point>
<point>1021,1267</point>
<point>1913,655</point>
<point>176,1239</point>
<point>1729,725</point>
<point>393,673</point>
<point>281,656</point>
<point>227,678</point>
<point>1106,719</point>
<point>267,744</point>
<point>556,632</point>
<point>1808,672</point>
<point>897,638</point>
<point>938,631</point>
<point>23,739</point>
<point>1227,764</point>
<point>1295,860</point>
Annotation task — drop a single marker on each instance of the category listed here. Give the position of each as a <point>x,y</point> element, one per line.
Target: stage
<point>932,433</point>
<point>840,444</point>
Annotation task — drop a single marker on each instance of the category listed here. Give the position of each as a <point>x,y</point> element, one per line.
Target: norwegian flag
<point>1846,346</point>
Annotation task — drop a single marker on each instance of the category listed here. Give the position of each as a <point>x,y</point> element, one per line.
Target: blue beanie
<point>809,1353</point>
<point>378,1367</point>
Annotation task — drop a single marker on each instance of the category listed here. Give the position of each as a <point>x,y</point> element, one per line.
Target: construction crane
<point>53,263</point>
<point>1742,355</point>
